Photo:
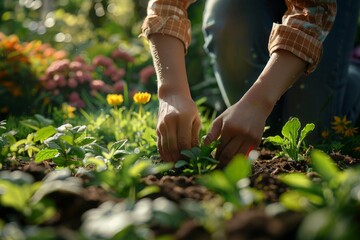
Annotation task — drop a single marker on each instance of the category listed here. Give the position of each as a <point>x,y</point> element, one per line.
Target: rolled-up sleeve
<point>168,17</point>
<point>304,27</point>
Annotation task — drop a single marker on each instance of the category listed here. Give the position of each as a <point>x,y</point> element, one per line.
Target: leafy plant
<point>232,183</point>
<point>334,198</point>
<point>199,159</point>
<point>125,180</point>
<point>291,142</point>
<point>17,190</point>
<point>65,144</point>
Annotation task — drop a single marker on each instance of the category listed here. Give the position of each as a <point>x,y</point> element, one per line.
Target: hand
<point>241,127</point>
<point>178,126</point>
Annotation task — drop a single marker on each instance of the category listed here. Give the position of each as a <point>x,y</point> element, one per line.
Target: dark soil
<point>252,223</point>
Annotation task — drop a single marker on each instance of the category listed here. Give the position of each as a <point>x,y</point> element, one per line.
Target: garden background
<point>78,156</point>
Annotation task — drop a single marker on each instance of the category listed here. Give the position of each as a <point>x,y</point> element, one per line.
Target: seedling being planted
<point>291,142</point>
<point>198,159</point>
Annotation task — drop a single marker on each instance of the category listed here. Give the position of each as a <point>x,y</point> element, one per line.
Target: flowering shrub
<point>84,83</point>
<point>36,74</point>
<point>21,65</point>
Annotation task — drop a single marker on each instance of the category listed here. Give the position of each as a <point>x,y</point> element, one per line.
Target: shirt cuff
<point>179,28</point>
<point>297,42</point>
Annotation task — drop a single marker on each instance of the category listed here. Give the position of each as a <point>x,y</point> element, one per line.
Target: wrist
<point>169,89</point>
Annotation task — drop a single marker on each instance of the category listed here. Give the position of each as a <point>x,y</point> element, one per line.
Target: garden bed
<point>254,222</point>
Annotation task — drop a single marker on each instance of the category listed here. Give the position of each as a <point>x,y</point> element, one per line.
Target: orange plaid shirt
<point>304,27</point>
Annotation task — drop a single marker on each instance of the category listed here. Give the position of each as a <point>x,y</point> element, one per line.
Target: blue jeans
<point>236,38</point>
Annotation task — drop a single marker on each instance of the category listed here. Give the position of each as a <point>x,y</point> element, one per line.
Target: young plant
<point>17,190</point>
<point>65,144</point>
<point>198,159</point>
<point>332,201</point>
<point>291,142</point>
<point>125,180</point>
<point>232,183</point>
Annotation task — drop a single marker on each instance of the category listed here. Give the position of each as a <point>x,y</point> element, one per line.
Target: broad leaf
<point>46,154</point>
<point>324,165</point>
<point>291,130</point>
<point>44,133</point>
<point>305,131</point>
<point>238,168</point>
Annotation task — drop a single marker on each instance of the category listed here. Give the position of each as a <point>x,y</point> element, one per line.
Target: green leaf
<point>86,141</point>
<point>189,154</point>
<point>217,181</point>
<point>181,163</point>
<point>46,154</point>
<point>118,145</point>
<point>291,130</point>
<point>44,133</point>
<point>238,168</point>
<point>305,131</point>
<point>324,165</point>
<point>276,140</point>
<point>137,169</point>
<point>297,180</point>
<point>77,151</point>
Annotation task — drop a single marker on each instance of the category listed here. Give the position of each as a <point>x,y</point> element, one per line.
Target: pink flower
<point>58,66</point>
<point>76,65</point>
<point>121,54</point>
<point>111,70</point>
<point>97,84</point>
<point>146,73</point>
<point>101,60</point>
<point>74,96</point>
<point>50,85</point>
<point>72,83</point>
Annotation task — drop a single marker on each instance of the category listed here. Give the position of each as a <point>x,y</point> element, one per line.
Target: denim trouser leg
<point>333,89</point>
<point>236,38</point>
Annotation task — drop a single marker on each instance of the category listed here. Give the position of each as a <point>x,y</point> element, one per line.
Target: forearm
<point>169,61</point>
<point>281,72</point>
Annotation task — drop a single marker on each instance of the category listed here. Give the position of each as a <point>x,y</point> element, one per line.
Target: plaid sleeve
<point>168,17</point>
<point>304,27</point>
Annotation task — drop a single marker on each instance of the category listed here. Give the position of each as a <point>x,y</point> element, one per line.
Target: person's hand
<point>240,128</point>
<point>178,126</point>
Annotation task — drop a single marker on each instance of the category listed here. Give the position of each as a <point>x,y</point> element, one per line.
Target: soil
<point>252,223</point>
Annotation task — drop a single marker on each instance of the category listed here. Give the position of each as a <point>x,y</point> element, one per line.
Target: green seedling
<point>125,180</point>
<point>291,142</point>
<point>332,200</point>
<point>198,159</point>
<point>233,183</point>
<point>17,190</point>
<point>65,146</point>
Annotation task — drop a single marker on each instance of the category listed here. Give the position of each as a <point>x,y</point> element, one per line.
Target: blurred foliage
<point>92,28</point>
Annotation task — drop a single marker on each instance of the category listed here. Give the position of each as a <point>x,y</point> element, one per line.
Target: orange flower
<point>350,132</point>
<point>142,97</point>
<point>340,125</point>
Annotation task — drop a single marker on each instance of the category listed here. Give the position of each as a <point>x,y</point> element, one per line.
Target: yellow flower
<point>142,97</point>
<point>350,132</point>
<point>114,99</point>
<point>340,125</point>
<point>68,110</point>
<point>357,149</point>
